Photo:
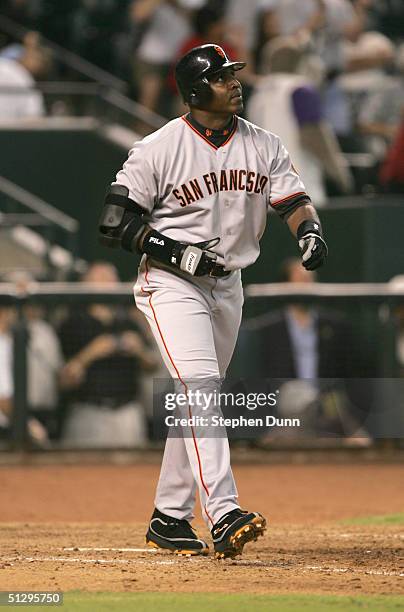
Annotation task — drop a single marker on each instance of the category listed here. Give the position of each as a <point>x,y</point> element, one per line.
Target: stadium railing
<point>385,298</point>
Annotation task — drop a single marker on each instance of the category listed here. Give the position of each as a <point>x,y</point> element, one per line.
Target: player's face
<point>227,93</point>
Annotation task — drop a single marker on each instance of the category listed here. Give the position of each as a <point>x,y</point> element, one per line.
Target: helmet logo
<point>220,51</point>
<point>208,133</point>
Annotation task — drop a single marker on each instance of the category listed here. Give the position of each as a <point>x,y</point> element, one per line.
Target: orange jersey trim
<point>182,382</point>
<point>206,139</point>
<point>289,197</point>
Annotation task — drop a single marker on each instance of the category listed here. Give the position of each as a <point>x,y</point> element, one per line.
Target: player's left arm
<point>288,198</point>
<point>306,227</point>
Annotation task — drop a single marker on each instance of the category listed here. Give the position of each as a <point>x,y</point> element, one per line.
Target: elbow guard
<point>121,220</point>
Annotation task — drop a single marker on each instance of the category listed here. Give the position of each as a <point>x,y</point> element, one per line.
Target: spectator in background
<point>93,23</point>
<point>302,341</point>
<point>392,170</point>
<point>22,101</point>
<point>367,60</point>
<point>169,26</point>
<point>366,57</point>
<point>328,23</point>
<point>55,19</point>
<point>16,50</point>
<point>210,26</point>
<point>44,359</point>
<point>105,357</point>
<point>315,351</point>
<point>289,104</point>
<point>267,29</point>
<point>382,112</point>
<point>248,22</point>
<point>136,18</point>
<point>336,32</point>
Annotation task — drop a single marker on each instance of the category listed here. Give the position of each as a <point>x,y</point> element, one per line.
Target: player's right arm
<point>129,198</point>
<point>123,222</point>
<point>122,225</point>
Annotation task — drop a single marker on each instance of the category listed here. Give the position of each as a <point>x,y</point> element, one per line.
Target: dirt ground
<point>82,527</point>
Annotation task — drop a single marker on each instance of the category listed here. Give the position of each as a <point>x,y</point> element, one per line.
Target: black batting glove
<point>313,248</point>
<point>195,259</point>
<point>192,259</point>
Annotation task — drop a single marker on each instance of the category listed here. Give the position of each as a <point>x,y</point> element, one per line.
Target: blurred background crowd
<point>337,65</point>
<point>326,75</point>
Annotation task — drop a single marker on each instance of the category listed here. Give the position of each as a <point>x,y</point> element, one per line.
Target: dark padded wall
<point>71,170</point>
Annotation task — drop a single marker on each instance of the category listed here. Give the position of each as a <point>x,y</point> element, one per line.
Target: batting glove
<point>313,248</point>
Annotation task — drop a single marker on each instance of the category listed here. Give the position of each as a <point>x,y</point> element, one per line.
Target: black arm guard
<point>121,220</point>
<point>190,258</point>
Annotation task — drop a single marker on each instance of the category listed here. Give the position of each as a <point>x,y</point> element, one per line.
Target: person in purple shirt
<point>288,103</point>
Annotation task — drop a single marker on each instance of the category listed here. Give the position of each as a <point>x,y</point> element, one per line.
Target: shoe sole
<point>247,533</point>
<point>181,552</point>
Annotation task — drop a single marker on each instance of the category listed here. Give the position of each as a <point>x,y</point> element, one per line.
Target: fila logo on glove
<point>157,241</point>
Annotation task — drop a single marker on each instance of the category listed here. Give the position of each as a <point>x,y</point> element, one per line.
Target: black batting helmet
<point>194,68</point>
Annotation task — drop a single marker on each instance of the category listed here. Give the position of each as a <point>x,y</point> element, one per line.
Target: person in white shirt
<point>289,104</point>
<point>18,97</point>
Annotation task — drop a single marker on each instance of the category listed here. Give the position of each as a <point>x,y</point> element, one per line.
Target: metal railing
<point>90,99</point>
<point>55,225</point>
<point>75,294</point>
<point>103,87</point>
<point>350,292</point>
<point>66,57</point>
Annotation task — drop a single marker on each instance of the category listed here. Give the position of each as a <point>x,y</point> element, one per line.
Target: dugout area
<point>335,529</point>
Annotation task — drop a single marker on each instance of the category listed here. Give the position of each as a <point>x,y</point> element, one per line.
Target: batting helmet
<point>193,70</point>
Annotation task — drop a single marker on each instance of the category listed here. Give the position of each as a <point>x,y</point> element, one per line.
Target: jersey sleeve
<point>138,177</point>
<point>287,191</point>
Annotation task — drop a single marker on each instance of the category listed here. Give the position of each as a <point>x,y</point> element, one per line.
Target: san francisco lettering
<point>227,180</point>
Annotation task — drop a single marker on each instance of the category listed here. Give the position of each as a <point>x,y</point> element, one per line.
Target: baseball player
<point>193,197</point>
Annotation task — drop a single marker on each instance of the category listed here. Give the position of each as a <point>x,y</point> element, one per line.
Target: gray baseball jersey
<point>194,191</point>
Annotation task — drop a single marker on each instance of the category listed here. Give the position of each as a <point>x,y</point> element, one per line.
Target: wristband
<point>309,227</point>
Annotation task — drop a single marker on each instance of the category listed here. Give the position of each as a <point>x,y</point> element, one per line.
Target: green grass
<point>211,602</point>
<point>383,519</point>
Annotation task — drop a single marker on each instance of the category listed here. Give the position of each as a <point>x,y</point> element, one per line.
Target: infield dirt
<point>49,513</point>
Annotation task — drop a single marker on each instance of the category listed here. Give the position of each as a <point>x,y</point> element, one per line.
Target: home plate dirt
<point>50,552</point>
<point>86,557</point>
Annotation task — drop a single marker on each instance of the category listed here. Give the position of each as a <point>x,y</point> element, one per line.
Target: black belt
<point>218,271</point>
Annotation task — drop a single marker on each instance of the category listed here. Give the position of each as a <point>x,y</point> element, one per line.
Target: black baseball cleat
<point>234,530</point>
<point>175,535</point>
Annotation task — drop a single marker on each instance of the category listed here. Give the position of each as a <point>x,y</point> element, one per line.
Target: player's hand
<point>313,250</point>
<point>196,261</point>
